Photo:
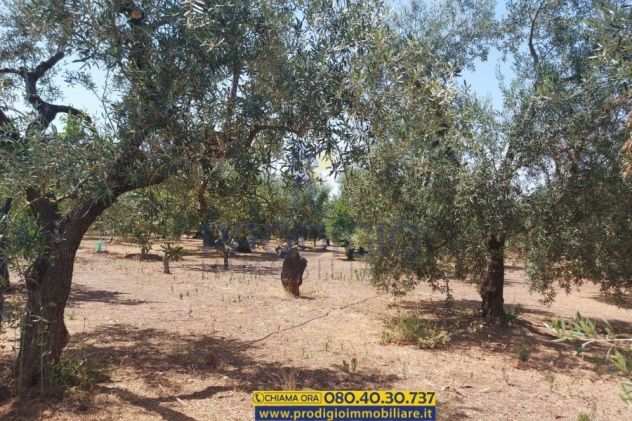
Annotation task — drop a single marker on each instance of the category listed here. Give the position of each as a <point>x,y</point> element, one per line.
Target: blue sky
<point>484,79</point>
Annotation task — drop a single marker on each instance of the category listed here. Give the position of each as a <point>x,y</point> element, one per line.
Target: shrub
<point>173,253</point>
<point>413,330</point>
<point>588,332</point>
<point>79,373</point>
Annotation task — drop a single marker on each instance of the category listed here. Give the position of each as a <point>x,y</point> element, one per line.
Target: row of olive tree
<point>238,212</point>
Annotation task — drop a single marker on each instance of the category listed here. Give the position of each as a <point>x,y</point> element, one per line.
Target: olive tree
<point>545,172</point>
<point>569,128</point>
<point>403,194</point>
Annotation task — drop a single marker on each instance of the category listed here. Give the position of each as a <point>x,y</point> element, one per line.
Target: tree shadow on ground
<point>160,358</point>
<point>259,270</point>
<point>149,257</point>
<point>82,294</point>
<point>620,301</point>
<point>525,337</point>
<point>255,255</point>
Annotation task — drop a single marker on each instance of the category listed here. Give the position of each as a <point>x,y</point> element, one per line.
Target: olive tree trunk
<point>4,281</point>
<point>48,281</point>
<point>206,233</point>
<point>492,285</point>
<point>4,271</point>
<point>226,252</point>
<point>4,261</point>
<point>166,269</point>
<point>44,334</point>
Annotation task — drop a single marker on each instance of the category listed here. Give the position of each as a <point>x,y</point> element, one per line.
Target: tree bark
<point>4,270</point>
<point>4,280</point>
<point>226,253</point>
<point>491,288</point>
<point>4,283</point>
<point>207,234</point>
<point>4,261</point>
<point>459,266</point>
<point>292,272</point>
<point>44,334</point>
<point>203,212</point>
<point>48,281</point>
<point>165,265</point>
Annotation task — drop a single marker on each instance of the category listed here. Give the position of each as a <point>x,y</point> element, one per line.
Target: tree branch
<point>7,70</point>
<point>47,113</point>
<point>258,128</point>
<point>532,50</point>
<point>45,66</point>
<point>45,110</point>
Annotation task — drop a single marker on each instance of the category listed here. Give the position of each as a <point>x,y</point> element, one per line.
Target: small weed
<point>173,253</point>
<point>524,352</point>
<point>80,374</point>
<point>350,367</point>
<point>583,417</point>
<point>413,330</point>
<point>513,313</point>
<point>550,379</point>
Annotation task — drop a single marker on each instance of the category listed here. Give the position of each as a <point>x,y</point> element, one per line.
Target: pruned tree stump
<point>292,273</point>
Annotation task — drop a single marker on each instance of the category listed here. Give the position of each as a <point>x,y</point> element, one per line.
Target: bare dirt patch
<point>193,345</point>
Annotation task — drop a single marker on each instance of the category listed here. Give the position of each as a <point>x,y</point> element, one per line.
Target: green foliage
<point>524,352</point>
<point>403,192</point>
<point>76,373</point>
<point>414,330</point>
<point>447,172</point>
<point>299,208</point>
<point>613,31</point>
<point>147,216</point>
<point>340,224</point>
<point>173,253</point>
<point>457,32</point>
<point>512,314</point>
<point>23,237</point>
<point>586,332</point>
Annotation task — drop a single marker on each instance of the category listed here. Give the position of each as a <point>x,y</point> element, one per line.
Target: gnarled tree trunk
<point>44,334</point>
<point>292,273</point>
<point>226,252</point>
<point>4,285</point>
<point>48,281</point>
<point>206,233</point>
<point>492,285</point>
<point>4,261</point>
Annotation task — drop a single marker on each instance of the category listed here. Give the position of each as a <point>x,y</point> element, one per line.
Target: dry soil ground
<point>194,344</point>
